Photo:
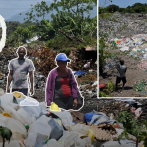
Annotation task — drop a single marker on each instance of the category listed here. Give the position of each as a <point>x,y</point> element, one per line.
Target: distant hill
<point>20,18</point>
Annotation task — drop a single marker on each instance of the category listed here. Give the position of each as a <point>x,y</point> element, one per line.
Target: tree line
<point>68,22</point>
<point>135,8</point>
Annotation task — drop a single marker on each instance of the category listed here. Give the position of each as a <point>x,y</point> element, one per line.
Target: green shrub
<point>66,51</point>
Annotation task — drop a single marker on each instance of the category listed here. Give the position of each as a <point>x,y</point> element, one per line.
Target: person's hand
<point>8,89</point>
<point>31,91</point>
<point>75,102</point>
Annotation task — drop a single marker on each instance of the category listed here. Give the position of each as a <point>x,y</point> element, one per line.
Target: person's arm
<point>10,78</point>
<point>74,90</point>
<point>31,76</point>
<point>49,89</point>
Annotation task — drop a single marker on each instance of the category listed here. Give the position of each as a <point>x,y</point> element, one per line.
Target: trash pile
<point>39,126</point>
<point>122,25</point>
<point>80,59</point>
<point>43,59</point>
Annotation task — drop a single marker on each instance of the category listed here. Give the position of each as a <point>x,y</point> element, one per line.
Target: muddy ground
<point>133,74</point>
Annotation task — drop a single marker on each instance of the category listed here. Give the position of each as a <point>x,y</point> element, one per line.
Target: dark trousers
<point>118,80</point>
<point>65,102</point>
<point>24,91</point>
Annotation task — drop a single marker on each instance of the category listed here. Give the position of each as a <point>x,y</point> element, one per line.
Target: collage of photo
<point>73,73</point>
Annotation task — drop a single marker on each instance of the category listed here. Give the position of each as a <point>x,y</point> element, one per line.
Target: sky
<point>9,8</point>
<point>121,3</point>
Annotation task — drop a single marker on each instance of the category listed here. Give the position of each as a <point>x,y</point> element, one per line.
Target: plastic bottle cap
<point>27,127</point>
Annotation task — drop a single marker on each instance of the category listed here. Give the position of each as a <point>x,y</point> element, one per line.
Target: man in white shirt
<point>121,74</point>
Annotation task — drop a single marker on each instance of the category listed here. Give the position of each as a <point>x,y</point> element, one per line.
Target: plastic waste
<point>87,65</point>
<point>19,132</point>
<point>81,128</point>
<point>17,94</point>
<point>41,126</point>
<point>58,121</point>
<point>91,134</point>
<point>85,142</point>
<point>30,140</point>
<point>53,143</point>
<point>68,138</point>
<point>66,119</point>
<point>13,143</point>
<point>138,112</point>
<point>33,111</point>
<point>89,116</point>
<point>54,107</point>
<point>29,102</point>
<point>57,130</point>
<point>1,92</point>
<point>124,48</point>
<point>6,114</point>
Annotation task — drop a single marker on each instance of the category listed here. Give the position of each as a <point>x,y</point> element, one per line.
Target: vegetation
<point>136,8</point>
<point>132,126</point>
<point>69,25</point>
<point>5,133</point>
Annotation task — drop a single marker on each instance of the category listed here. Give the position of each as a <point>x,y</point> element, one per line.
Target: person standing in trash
<point>18,71</point>
<point>121,74</point>
<point>58,88</point>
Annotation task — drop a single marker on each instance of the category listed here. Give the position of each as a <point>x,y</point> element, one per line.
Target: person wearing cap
<point>60,88</point>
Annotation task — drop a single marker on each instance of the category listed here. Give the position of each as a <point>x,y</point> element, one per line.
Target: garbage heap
<point>32,124</point>
<point>44,62</point>
<point>44,59</point>
<point>122,25</point>
<point>5,56</point>
<point>80,57</point>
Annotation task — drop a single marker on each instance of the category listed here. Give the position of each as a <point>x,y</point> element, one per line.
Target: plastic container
<point>58,121</point>
<point>54,107</point>
<point>91,134</point>
<point>116,125</point>
<point>6,114</point>
<point>41,126</point>
<point>13,143</point>
<point>57,130</point>
<point>17,94</point>
<point>80,128</point>
<point>53,143</point>
<point>30,140</point>
<point>66,119</point>
<point>68,139</point>
<point>18,130</point>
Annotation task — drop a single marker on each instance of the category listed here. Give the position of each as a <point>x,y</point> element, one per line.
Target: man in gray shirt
<point>19,68</point>
<point>121,74</point>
